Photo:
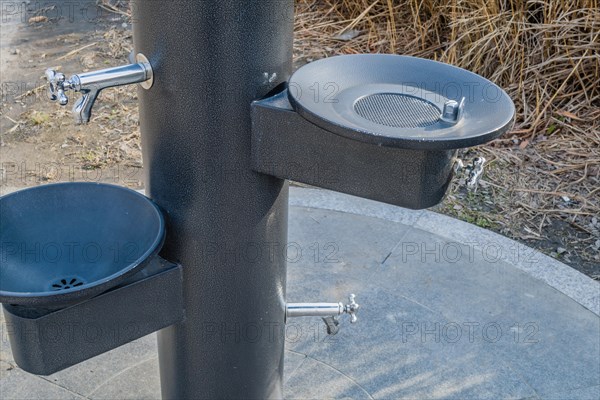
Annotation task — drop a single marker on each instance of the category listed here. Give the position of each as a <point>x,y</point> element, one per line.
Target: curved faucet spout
<point>82,110</point>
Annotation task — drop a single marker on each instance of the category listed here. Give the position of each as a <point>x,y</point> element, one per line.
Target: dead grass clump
<point>546,54</point>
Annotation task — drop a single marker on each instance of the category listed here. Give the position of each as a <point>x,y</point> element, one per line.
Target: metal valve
<point>56,87</point>
<point>472,172</point>
<point>352,308</point>
<point>91,83</point>
<point>329,312</point>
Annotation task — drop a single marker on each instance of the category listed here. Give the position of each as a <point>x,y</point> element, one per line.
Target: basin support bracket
<point>46,341</point>
<point>288,146</point>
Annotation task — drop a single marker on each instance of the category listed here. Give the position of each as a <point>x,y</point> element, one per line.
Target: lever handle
<point>63,100</point>
<point>51,78</point>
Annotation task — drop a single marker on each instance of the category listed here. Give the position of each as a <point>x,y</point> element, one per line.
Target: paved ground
<point>448,311</point>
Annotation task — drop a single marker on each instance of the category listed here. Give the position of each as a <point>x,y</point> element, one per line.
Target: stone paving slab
<point>440,318</point>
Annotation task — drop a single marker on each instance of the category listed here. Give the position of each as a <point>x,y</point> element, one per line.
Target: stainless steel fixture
<point>471,172</point>
<point>323,309</point>
<point>329,312</point>
<point>90,84</point>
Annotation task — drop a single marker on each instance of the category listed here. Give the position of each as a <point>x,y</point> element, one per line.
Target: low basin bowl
<point>397,101</point>
<point>63,243</point>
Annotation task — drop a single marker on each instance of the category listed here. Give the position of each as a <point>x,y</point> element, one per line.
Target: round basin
<point>63,243</point>
<point>400,101</point>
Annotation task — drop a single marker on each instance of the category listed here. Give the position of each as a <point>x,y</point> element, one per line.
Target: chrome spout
<point>90,84</point>
<point>327,311</point>
<point>314,309</point>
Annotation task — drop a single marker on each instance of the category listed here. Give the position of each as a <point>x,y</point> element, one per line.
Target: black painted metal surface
<point>388,100</point>
<point>63,243</point>
<point>286,145</point>
<point>211,59</point>
<point>47,341</point>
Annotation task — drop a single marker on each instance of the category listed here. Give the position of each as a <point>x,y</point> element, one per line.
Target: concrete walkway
<point>448,310</point>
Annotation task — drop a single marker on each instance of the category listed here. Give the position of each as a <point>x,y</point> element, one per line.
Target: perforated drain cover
<point>397,110</point>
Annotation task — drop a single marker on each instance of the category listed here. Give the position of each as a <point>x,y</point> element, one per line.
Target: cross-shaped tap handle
<point>352,308</point>
<point>472,172</point>
<point>56,86</point>
<point>475,172</point>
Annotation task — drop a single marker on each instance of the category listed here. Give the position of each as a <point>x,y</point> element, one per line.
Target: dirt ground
<point>39,142</point>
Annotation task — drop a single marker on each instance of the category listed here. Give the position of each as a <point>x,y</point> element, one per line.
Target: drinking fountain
<point>224,126</point>
<point>382,127</point>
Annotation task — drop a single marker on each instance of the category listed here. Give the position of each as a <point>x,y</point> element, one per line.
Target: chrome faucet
<point>471,173</point>
<point>329,312</point>
<point>89,84</point>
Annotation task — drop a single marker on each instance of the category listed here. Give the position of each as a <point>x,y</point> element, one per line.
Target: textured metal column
<point>226,224</point>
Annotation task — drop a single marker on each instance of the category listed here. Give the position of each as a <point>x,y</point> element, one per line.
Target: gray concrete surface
<point>448,310</point>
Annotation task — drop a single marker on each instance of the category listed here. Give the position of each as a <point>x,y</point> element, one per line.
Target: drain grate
<point>67,283</point>
<point>397,110</point>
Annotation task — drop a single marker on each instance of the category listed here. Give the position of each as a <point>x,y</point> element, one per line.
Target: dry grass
<point>546,54</point>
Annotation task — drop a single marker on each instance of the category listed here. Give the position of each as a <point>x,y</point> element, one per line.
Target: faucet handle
<point>56,86</point>
<point>475,172</point>
<point>472,172</point>
<point>352,308</point>
<point>51,78</point>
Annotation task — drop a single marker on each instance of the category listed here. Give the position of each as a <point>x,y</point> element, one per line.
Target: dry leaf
<point>347,35</point>
<point>38,19</point>
<point>568,114</point>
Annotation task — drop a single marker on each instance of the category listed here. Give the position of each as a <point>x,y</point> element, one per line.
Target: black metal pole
<point>226,224</point>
